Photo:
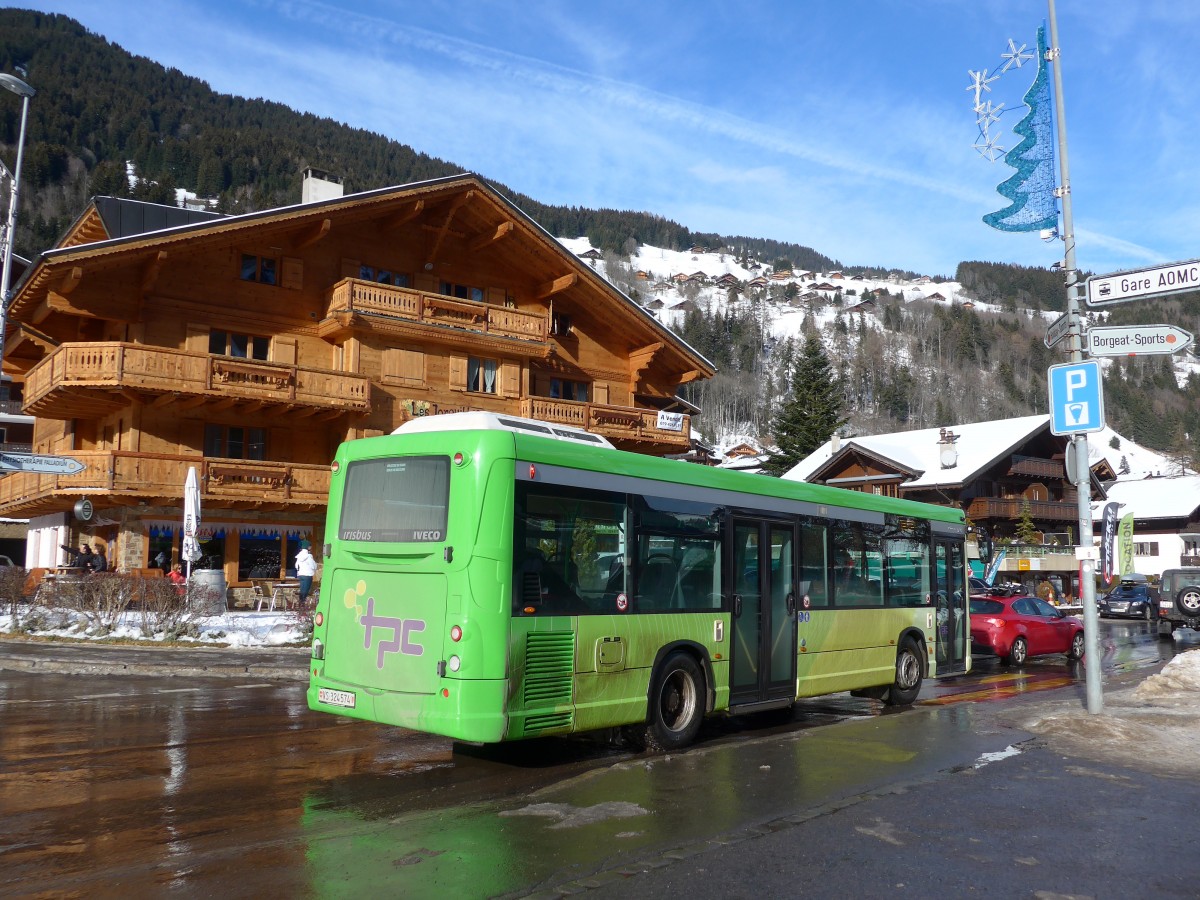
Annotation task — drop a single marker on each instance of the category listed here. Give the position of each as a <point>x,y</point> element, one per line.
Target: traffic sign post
<point>1136,340</point>
<point>33,462</point>
<point>1076,398</point>
<point>1057,330</point>
<point>1139,284</point>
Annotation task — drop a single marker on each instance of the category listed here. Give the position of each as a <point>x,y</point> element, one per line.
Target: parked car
<point>1179,600</point>
<point>1133,598</point>
<point>1016,628</point>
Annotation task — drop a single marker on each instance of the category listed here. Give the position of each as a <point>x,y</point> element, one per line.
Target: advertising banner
<point>1108,543</point>
<point>1125,543</point>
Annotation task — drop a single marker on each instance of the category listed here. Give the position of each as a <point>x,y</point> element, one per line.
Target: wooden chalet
<point>152,339</point>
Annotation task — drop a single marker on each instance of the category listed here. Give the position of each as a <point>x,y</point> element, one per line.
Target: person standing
<point>98,561</point>
<point>306,568</point>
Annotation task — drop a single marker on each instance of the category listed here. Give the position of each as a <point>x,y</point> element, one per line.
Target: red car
<point>1016,628</point>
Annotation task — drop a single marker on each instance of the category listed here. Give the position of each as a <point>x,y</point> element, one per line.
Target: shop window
<point>259,268</point>
<point>242,346</point>
<point>258,556</point>
<point>235,442</point>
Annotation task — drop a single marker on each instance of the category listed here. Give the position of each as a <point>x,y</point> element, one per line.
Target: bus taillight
<point>455,633</point>
<point>459,459</point>
<point>319,619</point>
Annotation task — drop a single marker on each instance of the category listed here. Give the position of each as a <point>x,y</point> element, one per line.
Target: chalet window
<point>564,389</point>
<point>243,346</point>
<point>235,442</point>
<point>1149,548</point>
<point>383,276</point>
<point>481,375</point>
<point>258,268</point>
<point>560,324</point>
<point>462,291</point>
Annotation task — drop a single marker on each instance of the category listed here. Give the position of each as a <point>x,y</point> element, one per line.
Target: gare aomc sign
<point>1138,284</point>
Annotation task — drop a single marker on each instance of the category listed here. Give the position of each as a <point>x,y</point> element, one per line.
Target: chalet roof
<point>491,213</point>
<point>1172,497</point>
<point>979,445</point>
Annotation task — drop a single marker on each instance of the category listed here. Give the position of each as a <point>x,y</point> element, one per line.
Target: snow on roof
<point>1141,461</point>
<point>978,445</point>
<point>1172,497</point>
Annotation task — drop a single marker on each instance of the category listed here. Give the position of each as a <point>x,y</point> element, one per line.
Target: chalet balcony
<point>121,478</point>
<point>1033,467</point>
<point>92,379</point>
<point>1041,510</point>
<point>628,427</point>
<point>431,313</point>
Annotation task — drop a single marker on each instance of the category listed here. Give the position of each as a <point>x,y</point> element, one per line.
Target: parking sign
<point>1076,398</point>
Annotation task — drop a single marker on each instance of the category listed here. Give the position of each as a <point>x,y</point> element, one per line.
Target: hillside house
<point>249,346</point>
<point>1166,520</point>
<point>591,253</point>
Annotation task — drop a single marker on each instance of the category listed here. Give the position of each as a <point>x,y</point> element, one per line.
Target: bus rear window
<point>396,500</point>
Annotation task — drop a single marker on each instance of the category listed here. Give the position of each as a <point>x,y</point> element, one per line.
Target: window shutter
<point>403,366</point>
<point>600,392</point>
<point>350,267</point>
<point>423,281</point>
<point>197,338</point>
<point>284,350</point>
<point>293,273</point>
<point>510,379</point>
<point>497,296</point>
<point>458,373</point>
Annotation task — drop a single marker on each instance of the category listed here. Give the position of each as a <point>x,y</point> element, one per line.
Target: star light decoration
<point>986,112</point>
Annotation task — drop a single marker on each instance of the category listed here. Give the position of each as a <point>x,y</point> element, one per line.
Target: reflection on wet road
<point>236,789</point>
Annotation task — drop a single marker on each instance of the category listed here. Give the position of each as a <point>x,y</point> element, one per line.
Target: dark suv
<point>1179,590</point>
<point>1133,598</point>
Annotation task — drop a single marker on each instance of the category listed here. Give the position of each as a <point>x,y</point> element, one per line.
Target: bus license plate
<point>336,698</point>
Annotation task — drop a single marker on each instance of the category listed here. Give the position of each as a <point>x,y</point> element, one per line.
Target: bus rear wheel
<point>676,706</point>
<point>910,673</point>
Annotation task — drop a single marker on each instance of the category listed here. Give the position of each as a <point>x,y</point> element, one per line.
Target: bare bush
<point>103,598</point>
<point>164,608</point>
<point>12,590</point>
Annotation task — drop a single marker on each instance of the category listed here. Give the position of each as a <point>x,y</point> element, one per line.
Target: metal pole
<point>17,86</point>
<point>1082,475</point>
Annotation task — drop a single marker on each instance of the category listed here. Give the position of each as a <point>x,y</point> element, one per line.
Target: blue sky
<point>844,125</point>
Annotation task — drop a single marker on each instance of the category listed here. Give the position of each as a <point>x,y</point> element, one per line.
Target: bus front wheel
<point>910,672</point>
<point>676,705</point>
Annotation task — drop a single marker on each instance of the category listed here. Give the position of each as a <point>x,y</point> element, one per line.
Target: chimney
<point>948,451</point>
<point>317,186</point>
<point>835,443</point>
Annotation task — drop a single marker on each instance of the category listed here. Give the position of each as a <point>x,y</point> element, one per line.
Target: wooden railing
<point>166,369</point>
<point>1037,468</point>
<point>352,295</point>
<point>1044,510</point>
<point>133,475</point>
<point>614,422</point>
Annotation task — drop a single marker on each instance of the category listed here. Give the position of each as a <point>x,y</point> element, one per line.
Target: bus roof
<point>488,421</point>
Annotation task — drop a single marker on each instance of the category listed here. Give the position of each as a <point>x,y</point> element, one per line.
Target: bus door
<point>763,573</point>
<point>950,605</point>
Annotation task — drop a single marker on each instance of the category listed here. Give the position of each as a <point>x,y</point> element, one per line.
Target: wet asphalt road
<point>231,787</point>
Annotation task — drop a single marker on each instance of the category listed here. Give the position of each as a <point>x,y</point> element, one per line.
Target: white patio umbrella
<point>191,520</point>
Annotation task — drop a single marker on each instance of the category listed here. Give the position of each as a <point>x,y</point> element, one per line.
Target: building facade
<point>151,340</point>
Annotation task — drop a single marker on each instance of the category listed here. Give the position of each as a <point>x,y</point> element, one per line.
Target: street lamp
<point>24,91</point>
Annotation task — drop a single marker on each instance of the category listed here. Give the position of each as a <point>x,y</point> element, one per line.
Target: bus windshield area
<point>397,499</point>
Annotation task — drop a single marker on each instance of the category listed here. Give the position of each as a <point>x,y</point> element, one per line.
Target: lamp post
<point>24,91</point>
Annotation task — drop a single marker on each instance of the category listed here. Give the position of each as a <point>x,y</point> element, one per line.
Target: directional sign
<point>1136,340</point>
<point>32,462</point>
<point>1057,330</point>
<point>1076,398</point>
<point>1121,287</point>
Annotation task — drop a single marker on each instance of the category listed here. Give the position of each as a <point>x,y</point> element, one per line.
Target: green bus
<point>491,578</point>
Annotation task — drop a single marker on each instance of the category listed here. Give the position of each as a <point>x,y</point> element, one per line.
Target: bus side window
<point>812,567</point>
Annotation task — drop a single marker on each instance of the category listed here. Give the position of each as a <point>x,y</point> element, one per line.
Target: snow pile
<point>230,629</point>
<point>1155,727</point>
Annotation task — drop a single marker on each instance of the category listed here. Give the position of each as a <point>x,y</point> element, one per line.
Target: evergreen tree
<point>814,411</point>
<point>1027,532</point>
